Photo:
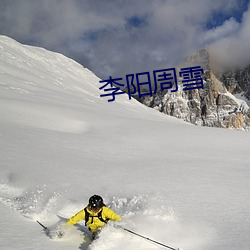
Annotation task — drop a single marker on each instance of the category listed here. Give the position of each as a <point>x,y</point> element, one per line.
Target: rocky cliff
<point>213,106</point>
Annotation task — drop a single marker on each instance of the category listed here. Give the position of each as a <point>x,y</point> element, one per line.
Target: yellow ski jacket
<point>94,223</point>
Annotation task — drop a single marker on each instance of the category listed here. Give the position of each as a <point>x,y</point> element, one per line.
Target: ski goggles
<point>94,208</point>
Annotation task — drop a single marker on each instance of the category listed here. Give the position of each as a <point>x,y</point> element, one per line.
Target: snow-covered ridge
<point>182,185</point>
<point>59,68</point>
<point>33,74</point>
<point>25,69</point>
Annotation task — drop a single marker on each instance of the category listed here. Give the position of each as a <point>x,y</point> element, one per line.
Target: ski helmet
<point>95,202</point>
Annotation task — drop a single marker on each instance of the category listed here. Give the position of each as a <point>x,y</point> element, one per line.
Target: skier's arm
<point>110,214</point>
<point>77,217</point>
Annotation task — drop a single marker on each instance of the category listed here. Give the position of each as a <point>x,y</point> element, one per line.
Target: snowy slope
<point>60,142</point>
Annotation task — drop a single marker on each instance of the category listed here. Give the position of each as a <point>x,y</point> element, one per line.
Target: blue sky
<point>218,16</point>
<point>118,37</point>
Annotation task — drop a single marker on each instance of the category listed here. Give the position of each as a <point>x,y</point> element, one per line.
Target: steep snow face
<point>60,142</point>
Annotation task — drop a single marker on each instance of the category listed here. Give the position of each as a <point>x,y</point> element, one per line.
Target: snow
<point>242,99</point>
<point>182,185</point>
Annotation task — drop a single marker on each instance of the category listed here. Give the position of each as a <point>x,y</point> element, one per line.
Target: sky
<point>119,37</point>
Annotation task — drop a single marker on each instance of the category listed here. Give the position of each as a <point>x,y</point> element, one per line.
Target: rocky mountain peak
<point>200,58</point>
<point>213,106</point>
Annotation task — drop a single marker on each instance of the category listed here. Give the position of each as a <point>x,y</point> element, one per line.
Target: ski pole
<point>45,228</point>
<point>146,238</point>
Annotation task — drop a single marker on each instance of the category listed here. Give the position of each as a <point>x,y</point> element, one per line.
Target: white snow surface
<point>60,142</point>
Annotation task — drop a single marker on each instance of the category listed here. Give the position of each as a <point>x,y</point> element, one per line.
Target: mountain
<point>215,105</point>
<point>60,142</point>
<point>237,81</point>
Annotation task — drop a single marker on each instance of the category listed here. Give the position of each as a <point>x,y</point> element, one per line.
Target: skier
<point>95,214</point>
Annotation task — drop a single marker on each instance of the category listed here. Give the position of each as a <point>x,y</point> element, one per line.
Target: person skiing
<point>95,214</point>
